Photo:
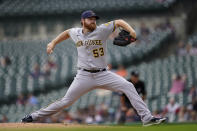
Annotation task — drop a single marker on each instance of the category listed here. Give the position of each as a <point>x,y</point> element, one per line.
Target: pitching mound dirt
<point>43,125</point>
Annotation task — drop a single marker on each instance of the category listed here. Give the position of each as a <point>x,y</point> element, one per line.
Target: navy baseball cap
<point>88,14</point>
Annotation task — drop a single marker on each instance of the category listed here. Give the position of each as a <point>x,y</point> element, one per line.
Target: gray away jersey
<point>92,47</point>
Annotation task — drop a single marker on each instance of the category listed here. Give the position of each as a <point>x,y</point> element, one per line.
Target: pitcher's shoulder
<point>75,30</point>
<point>104,25</point>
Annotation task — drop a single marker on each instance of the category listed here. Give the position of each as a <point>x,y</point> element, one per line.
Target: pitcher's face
<point>89,23</point>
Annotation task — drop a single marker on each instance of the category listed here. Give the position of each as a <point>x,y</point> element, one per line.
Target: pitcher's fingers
<point>48,51</point>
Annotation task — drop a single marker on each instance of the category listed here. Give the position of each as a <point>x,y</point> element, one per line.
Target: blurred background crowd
<point>161,64</point>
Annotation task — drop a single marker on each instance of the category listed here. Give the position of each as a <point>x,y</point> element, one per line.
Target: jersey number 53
<point>98,52</point>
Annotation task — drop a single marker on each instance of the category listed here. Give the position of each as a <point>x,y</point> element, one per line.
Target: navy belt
<point>92,71</point>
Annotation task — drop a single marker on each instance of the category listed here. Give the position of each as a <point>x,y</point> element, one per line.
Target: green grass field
<point>72,127</point>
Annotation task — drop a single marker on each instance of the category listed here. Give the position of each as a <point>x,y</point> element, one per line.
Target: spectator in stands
<point>36,72</point>
<point>187,50</point>
<point>47,70</point>
<point>5,61</point>
<point>171,110</point>
<point>32,100</point>
<point>193,116</point>
<point>125,104</point>
<point>49,66</point>
<point>193,110</point>
<point>110,67</point>
<point>144,32</point>
<point>194,104</point>
<point>159,27</point>
<point>193,92</point>
<point>121,71</point>
<point>51,63</point>
<point>182,115</point>
<point>169,25</point>
<point>78,116</point>
<point>4,119</point>
<point>98,118</point>
<point>89,119</point>
<point>112,114</point>
<point>192,107</point>
<point>21,100</point>
<point>66,117</point>
<point>190,50</point>
<point>178,84</point>
<point>165,25</point>
<point>103,110</point>
<point>88,114</point>
<point>181,50</point>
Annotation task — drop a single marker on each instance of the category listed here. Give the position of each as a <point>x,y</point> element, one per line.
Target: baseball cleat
<point>154,121</point>
<point>27,119</point>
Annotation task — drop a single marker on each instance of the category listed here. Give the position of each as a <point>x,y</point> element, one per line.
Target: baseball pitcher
<point>92,71</point>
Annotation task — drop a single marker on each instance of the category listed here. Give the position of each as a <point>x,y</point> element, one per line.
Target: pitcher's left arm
<point>126,26</point>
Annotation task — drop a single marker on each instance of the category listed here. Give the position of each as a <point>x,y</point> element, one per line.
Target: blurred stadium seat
<point>52,7</point>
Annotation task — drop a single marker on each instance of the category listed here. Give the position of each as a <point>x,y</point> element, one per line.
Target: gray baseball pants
<point>85,82</point>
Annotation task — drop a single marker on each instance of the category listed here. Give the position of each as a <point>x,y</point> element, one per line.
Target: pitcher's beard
<point>90,27</point>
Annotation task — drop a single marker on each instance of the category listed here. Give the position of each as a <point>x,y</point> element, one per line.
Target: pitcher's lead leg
<point>114,82</point>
